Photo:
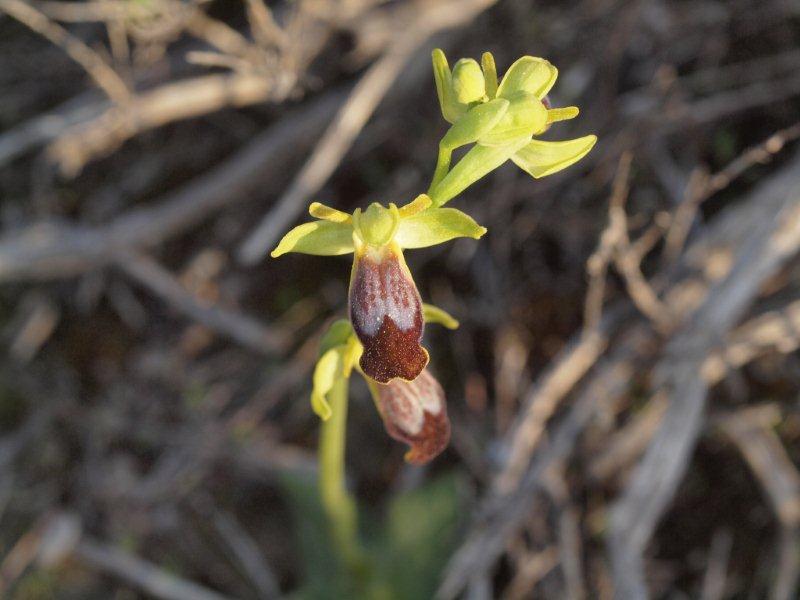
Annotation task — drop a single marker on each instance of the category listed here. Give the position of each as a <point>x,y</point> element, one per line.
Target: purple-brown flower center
<point>386,313</point>
<point>415,412</point>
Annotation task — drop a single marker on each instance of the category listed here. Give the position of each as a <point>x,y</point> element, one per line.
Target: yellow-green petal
<point>451,109</point>
<point>541,158</point>
<point>417,205</point>
<point>436,226</point>
<point>326,372</point>
<point>326,213</point>
<point>529,74</point>
<point>489,74</point>
<point>321,238</point>
<point>479,121</point>
<point>526,116</point>
<point>562,114</point>
<point>434,314</point>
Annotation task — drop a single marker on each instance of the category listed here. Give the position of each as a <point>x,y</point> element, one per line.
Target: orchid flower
<point>413,412</point>
<point>502,121</point>
<point>385,306</point>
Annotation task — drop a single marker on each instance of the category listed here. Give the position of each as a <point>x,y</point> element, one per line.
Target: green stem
<point>339,505</point>
<point>442,166</point>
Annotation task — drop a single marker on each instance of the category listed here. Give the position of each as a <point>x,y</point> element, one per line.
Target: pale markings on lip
<point>386,313</point>
<point>415,413</point>
<point>387,293</point>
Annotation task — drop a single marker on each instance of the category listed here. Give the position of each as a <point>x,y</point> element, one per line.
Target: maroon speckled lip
<point>386,313</point>
<point>415,412</point>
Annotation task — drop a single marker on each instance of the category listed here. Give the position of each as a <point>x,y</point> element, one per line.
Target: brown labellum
<point>386,313</point>
<point>415,412</point>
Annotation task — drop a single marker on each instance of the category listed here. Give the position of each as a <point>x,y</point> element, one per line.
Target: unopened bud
<point>468,82</point>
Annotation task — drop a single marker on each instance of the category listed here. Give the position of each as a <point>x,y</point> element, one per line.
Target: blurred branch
<point>242,329</point>
<point>87,141</point>
<point>751,430</point>
<point>774,237</point>
<point>716,570</point>
<point>103,75</point>
<point>141,574</point>
<point>54,251</point>
<point>352,118</point>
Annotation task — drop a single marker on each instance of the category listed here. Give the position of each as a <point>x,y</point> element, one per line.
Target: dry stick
<point>626,259</point>
<point>773,468</point>
<point>90,140</point>
<point>597,265</point>
<point>103,75</point>
<point>530,571</point>
<point>541,401</point>
<point>731,102</point>
<point>570,549</point>
<point>501,516</point>
<point>86,12</point>
<point>39,130</point>
<point>216,33</point>
<point>628,442</point>
<point>55,251</point>
<point>777,331</point>
<point>352,118</point>
<point>772,240</point>
<point>715,576</point>
<point>263,26</point>
<point>701,186</point>
<point>248,554</point>
<point>141,574</point>
<point>242,329</point>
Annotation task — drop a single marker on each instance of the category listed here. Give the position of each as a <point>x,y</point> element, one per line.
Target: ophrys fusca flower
<point>384,304</point>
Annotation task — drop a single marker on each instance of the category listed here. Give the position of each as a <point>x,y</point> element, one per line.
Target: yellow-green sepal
<point>327,370</point>
<point>476,163</point>
<point>436,226</point>
<point>321,238</point>
<point>539,158</point>
<point>480,120</point>
<point>489,74</point>
<point>451,109</point>
<point>529,74</point>
<point>434,314</point>
<point>337,335</point>
<point>525,116</point>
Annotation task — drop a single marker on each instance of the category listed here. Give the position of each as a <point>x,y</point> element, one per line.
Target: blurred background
<point>623,388</point>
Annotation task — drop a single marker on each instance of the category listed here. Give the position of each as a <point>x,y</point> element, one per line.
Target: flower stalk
<point>339,505</point>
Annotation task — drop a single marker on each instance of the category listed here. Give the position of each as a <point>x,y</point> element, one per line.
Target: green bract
<point>501,120</point>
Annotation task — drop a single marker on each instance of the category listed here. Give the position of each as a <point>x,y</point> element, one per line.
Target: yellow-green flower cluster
<point>501,120</point>
<point>383,337</point>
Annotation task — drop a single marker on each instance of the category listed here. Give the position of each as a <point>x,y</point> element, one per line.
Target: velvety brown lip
<point>415,412</point>
<point>386,313</point>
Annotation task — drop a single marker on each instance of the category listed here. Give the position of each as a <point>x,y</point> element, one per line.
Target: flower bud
<point>468,82</point>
